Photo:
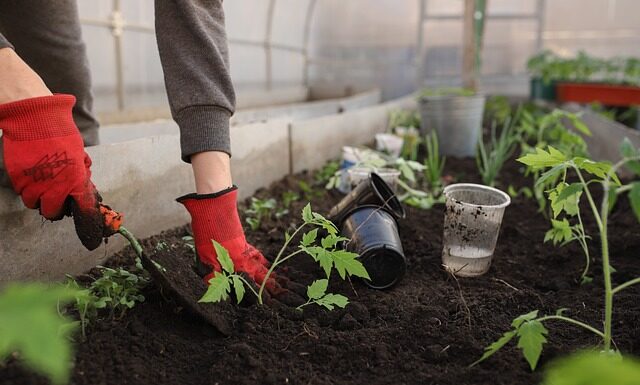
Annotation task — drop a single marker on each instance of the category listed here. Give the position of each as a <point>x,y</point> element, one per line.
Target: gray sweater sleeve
<point>193,50</point>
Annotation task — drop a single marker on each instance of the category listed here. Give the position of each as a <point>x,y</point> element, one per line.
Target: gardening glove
<point>215,217</point>
<point>45,159</point>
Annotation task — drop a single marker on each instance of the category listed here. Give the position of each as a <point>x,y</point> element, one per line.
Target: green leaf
<point>322,256</point>
<point>569,191</point>
<point>317,289</point>
<point>542,159</point>
<point>578,124</point>
<point>593,368</point>
<point>331,300</point>
<point>629,151</point>
<point>223,257</point>
<point>31,325</point>
<point>531,337</point>
<point>613,197</point>
<point>634,199</point>
<point>560,232</point>
<point>599,169</point>
<point>525,317</point>
<point>330,241</point>
<point>309,238</point>
<point>346,262</point>
<point>238,287</point>
<point>569,203</point>
<point>307,216</point>
<point>218,290</point>
<point>551,173</point>
<point>494,347</point>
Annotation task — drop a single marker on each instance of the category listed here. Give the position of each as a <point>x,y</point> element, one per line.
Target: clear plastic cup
<point>389,143</point>
<point>472,222</point>
<point>389,175</point>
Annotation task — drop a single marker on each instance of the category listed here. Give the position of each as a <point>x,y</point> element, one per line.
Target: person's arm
<point>193,50</point>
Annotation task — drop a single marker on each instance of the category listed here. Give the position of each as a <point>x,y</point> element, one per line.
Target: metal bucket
<point>456,119</point>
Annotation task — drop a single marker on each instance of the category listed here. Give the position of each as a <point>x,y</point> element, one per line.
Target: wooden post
<point>473,31</point>
<point>469,46</point>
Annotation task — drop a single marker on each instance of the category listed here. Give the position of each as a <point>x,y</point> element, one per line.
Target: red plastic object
<point>606,94</point>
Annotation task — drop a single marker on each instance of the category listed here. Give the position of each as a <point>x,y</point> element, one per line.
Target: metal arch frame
<point>118,25</point>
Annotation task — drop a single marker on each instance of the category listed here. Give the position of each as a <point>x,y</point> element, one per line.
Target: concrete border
<point>150,176</point>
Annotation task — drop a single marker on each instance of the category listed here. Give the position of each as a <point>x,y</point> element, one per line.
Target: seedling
<point>529,327</point>
<point>259,210</point>
<point>404,118</point>
<point>492,156</point>
<point>324,175</point>
<point>593,368</point>
<point>31,328</point>
<point>86,304</point>
<point>288,197</point>
<point>326,253</point>
<point>317,293</point>
<point>434,164</point>
<point>118,289</point>
<point>498,108</point>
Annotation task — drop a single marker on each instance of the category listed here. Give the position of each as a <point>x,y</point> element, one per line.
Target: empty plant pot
<point>373,234</point>
<point>389,143</point>
<point>372,191</point>
<point>456,119</point>
<point>472,220</point>
<point>359,174</point>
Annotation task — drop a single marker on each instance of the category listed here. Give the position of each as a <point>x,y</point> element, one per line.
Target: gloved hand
<point>45,159</point>
<point>215,217</point>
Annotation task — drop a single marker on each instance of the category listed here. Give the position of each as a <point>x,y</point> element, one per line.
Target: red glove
<point>45,160</point>
<point>215,217</point>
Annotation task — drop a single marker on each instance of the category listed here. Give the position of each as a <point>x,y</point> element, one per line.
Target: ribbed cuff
<point>38,118</point>
<point>203,128</point>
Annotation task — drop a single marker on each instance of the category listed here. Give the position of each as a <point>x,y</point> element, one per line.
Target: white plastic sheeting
<point>356,44</point>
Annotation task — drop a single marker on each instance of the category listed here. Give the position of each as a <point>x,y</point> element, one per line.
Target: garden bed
<point>426,330</point>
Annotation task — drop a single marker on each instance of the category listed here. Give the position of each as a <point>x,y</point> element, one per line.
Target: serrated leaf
<point>321,256</point>
<point>223,257</point>
<point>634,199</point>
<point>346,263</point>
<point>307,216</point>
<point>317,289</point>
<point>218,290</point>
<point>531,337</point>
<point>524,317</point>
<point>494,347</point>
<point>551,173</point>
<point>238,287</point>
<point>569,191</point>
<point>599,169</point>
<point>331,300</point>
<point>542,159</point>
<point>309,238</point>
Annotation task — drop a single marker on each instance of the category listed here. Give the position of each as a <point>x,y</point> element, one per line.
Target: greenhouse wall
<point>337,47</point>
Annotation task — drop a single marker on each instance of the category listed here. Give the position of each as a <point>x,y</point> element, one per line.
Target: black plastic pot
<point>373,234</point>
<point>373,191</point>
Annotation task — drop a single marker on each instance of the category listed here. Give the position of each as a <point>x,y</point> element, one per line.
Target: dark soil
<point>426,330</point>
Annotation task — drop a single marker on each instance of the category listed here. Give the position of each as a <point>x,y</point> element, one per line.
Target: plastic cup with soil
<point>373,234</point>
<point>359,174</point>
<point>373,191</point>
<point>472,220</point>
<point>389,143</point>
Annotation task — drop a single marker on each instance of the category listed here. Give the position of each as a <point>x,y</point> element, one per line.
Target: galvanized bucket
<point>457,121</point>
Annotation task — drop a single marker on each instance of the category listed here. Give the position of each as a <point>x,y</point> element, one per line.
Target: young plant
<point>593,368</point>
<point>85,303</point>
<point>404,118</point>
<point>118,289</point>
<point>325,252</point>
<point>288,197</point>
<point>433,164</point>
<point>492,156</point>
<point>324,175</point>
<point>259,210</point>
<point>31,328</point>
<point>529,328</point>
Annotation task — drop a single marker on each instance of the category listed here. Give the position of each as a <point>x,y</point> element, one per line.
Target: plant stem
<point>276,262</point>
<point>606,268</point>
<point>572,321</point>
<point>626,285</point>
<point>247,284</point>
<point>585,247</point>
<point>132,240</point>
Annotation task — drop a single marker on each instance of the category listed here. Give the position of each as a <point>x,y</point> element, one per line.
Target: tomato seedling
<point>529,328</point>
<point>326,253</point>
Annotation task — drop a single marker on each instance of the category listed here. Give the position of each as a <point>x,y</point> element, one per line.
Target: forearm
<point>194,54</point>
<point>17,80</point>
